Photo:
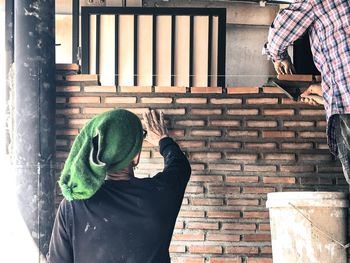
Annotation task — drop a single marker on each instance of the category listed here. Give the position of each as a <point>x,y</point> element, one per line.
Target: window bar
<point>221,48</point>
<point>98,37</point>
<point>210,46</point>
<point>85,42</point>
<point>191,50</point>
<point>75,31</point>
<point>173,30</point>
<point>135,49</point>
<point>116,48</point>
<point>154,45</point>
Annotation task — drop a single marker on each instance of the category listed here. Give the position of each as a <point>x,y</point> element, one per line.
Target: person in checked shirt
<point>328,24</point>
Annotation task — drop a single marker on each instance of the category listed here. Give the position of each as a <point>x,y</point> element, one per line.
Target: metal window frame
<point>137,11</point>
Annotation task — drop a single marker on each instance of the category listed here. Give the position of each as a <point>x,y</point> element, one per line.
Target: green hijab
<point>108,142</point>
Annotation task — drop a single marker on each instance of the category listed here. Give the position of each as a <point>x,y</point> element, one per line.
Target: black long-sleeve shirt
<point>125,221</point>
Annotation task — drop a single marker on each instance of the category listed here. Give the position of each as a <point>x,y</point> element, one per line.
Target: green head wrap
<point>108,142</point>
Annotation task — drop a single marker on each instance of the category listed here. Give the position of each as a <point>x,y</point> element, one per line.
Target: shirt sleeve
<point>289,25</point>
<point>60,249</point>
<point>177,168</point>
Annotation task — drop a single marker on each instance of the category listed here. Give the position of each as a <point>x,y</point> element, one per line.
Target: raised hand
<point>284,67</point>
<point>156,128</point>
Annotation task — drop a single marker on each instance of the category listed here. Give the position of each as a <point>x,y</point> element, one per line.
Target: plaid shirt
<point>328,24</point>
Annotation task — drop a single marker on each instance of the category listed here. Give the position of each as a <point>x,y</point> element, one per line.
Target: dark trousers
<point>342,131</point>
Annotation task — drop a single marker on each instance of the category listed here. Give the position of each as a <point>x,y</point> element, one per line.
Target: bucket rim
<point>307,194</point>
<point>307,199</point>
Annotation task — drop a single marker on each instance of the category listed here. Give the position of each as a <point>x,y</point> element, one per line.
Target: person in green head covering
<point>107,143</point>
<point>108,215</point>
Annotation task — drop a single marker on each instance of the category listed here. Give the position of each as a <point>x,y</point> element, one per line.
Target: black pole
<point>210,47</point>
<point>222,49</point>
<point>85,41</point>
<point>34,116</point>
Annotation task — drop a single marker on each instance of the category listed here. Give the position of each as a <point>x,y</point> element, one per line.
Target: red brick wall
<point>243,142</point>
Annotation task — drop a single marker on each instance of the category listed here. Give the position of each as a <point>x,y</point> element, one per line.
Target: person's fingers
<point>313,100</point>
<point>150,119</point>
<point>275,66</point>
<point>279,70</point>
<point>293,69</point>
<point>316,89</point>
<point>162,124</point>
<point>287,66</point>
<point>146,120</point>
<point>144,116</point>
<point>154,117</point>
<point>305,100</point>
<point>288,70</point>
<point>318,100</point>
<point>307,92</point>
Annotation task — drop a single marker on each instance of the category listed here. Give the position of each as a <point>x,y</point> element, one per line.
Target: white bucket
<point>308,227</point>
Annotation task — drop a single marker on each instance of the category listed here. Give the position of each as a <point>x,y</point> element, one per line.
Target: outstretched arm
<point>176,166</point>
